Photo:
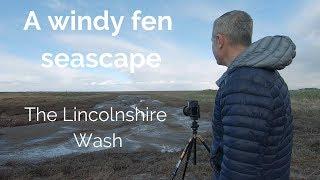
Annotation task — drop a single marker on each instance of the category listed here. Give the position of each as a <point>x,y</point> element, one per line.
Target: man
<point>252,121</point>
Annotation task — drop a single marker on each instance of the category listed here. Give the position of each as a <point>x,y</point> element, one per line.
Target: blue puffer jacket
<point>252,121</point>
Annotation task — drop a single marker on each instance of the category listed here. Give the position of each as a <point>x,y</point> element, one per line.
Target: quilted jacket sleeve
<point>246,108</point>
<point>217,135</point>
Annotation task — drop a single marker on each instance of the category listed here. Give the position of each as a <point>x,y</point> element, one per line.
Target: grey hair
<point>236,25</point>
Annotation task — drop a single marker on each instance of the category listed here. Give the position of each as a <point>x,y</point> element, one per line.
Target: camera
<point>192,109</point>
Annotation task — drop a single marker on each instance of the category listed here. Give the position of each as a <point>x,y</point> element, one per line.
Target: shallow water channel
<point>46,140</point>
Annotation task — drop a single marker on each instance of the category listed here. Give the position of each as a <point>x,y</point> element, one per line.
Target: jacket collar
<point>221,80</point>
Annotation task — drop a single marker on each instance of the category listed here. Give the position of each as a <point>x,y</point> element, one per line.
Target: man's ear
<point>220,40</point>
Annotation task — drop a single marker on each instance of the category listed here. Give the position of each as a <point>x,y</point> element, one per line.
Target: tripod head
<point>194,127</point>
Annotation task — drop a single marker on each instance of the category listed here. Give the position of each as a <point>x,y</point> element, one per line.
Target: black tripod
<point>187,150</point>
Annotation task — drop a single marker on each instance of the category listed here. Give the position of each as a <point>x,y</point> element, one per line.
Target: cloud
<point>204,12</point>
<point>61,5</point>
<point>181,65</point>
<point>180,69</point>
<point>57,5</point>
<point>305,24</point>
<point>94,43</point>
<point>304,29</point>
<point>19,74</point>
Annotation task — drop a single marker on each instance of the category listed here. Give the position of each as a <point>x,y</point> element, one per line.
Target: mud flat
<point>39,142</point>
<point>151,149</point>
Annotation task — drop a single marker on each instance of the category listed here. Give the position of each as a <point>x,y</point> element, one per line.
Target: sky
<point>187,62</point>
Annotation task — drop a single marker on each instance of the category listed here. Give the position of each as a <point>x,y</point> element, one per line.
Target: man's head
<point>231,34</point>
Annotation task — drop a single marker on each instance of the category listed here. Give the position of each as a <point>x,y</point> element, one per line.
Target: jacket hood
<point>271,52</point>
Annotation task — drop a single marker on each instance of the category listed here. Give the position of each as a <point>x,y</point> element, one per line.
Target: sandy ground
<point>46,150</point>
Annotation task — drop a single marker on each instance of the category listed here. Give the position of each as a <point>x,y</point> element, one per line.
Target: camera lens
<point>186,111</point>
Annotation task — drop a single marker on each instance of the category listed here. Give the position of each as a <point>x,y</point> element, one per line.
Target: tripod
<point>187,150</point>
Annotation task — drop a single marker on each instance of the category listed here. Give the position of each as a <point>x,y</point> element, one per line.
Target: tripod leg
<point>188,158</point>
<point>204,143</point>
<point>181,158</point>
<point>195,150</point>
